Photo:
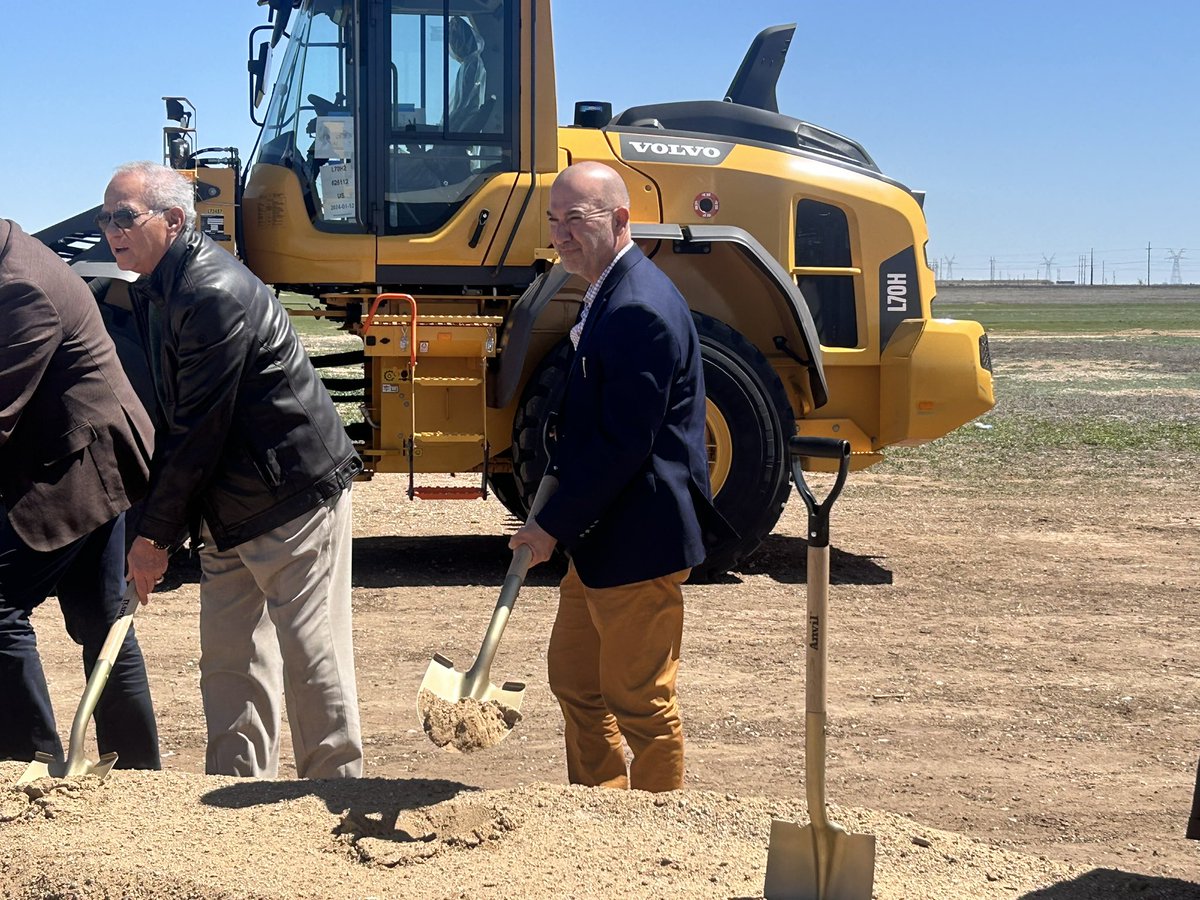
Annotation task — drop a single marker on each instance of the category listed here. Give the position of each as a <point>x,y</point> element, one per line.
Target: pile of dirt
<point>466,724</point>
<point>169,836</point>
<point>46,798</point>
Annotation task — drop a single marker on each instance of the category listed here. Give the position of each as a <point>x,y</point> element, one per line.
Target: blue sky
<point>1037,129</point>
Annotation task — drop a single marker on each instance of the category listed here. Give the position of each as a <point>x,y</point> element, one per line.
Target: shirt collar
<point>594,287</point>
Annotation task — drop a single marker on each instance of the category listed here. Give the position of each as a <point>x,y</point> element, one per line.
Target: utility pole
<point>992,275</point>
<point>1147,264</point>
<point>1092,270</point>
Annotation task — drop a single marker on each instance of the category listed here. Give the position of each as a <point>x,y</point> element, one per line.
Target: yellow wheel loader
<point>401,180</point>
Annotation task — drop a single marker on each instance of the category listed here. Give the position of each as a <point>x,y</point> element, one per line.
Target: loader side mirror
<point>176,112</point>
<point>260,69</point>
<point>259,66</point>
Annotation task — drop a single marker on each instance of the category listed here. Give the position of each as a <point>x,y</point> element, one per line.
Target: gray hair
<point>163,188</point>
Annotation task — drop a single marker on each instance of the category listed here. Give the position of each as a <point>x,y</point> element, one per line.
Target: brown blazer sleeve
<point>34,331</point>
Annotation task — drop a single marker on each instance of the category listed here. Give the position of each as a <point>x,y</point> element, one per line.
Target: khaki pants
<point>275,621</point>
<point>612,660</point>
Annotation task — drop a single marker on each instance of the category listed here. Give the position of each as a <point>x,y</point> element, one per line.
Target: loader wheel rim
<point>718,443</point>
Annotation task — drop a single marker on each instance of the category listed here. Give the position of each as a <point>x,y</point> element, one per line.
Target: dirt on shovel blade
<point>466,724</point>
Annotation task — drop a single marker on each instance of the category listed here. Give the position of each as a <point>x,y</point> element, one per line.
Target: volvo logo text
<point>675,149</point>
<point>702,153</point>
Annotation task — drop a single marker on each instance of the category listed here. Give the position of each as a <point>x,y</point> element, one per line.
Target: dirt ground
<point>1014,710</point>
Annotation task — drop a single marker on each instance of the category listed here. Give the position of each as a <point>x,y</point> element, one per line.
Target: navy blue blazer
<point>633,499</point>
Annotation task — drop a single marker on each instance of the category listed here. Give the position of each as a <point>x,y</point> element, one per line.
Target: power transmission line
<point>1176,278</point>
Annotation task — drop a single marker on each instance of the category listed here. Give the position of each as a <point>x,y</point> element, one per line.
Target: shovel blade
<point>805,865</point>
<point>46,766</point>
<point>451,685</point>
<point>43,766</point>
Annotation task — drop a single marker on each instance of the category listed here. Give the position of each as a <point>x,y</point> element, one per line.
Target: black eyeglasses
<point>123,218</point>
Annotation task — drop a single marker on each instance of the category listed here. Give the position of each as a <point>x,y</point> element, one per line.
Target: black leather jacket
<point>248,438</point>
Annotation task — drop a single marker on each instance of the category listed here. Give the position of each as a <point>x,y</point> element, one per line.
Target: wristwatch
<point>158,545</point>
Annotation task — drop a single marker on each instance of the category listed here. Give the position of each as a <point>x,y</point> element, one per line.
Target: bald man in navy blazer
<point>633,504</point>
<point>75,446</point>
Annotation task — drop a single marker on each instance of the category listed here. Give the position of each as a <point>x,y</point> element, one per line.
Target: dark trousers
<point>1193,826</point>
<point>90,577</point>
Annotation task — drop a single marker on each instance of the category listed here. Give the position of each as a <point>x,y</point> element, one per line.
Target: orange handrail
<point>412,339</point>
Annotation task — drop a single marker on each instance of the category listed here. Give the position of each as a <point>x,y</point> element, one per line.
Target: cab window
<point>451,110</point>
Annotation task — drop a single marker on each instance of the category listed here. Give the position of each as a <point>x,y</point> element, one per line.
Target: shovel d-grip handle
<point>818,513</point>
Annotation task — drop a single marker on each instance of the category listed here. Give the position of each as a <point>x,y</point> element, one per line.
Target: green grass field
<point>1076,318</point>
<point>1081,388</point>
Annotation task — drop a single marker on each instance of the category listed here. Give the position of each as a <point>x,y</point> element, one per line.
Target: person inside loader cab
<point>75,446</point>
<point>251,453</point>
<point>468,94</point>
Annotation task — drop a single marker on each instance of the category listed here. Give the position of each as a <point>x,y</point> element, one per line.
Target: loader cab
<point>402,143</point>
<point>391,129</point>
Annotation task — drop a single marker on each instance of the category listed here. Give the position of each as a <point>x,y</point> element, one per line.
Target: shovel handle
<point>480,671</point>
<point>817,615</point>
<point>546,488</point>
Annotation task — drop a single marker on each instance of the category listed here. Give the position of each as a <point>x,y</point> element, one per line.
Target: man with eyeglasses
<point>251,457</point>
<point>633,506</point>
<point>75,446</point>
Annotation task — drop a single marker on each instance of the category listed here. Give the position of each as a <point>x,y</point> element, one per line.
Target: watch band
<point>158,545</point>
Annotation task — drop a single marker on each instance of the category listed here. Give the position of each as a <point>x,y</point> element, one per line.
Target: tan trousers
<point>275,621</point>
<point>612,660</point>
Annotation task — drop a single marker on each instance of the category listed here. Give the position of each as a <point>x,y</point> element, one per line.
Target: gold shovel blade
<point>46,766</point>
<point>443,684</point>
<point>451,685</point>
<point>803,864</point>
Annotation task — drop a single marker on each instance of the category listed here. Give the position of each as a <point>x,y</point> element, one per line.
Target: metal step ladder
<point>446,355</point>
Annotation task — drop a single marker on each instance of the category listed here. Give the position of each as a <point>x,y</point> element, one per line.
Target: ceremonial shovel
<point>820,861</point>
<point>451,685</point>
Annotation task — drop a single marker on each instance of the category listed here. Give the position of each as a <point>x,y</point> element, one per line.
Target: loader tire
<point>747,425</point>
<point>540,397</point>
<point>504,487</point>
